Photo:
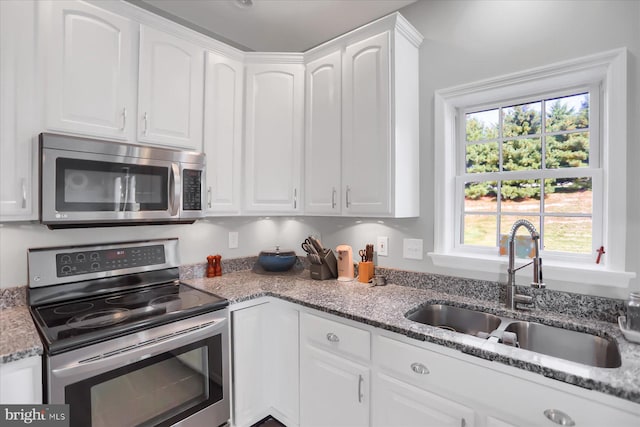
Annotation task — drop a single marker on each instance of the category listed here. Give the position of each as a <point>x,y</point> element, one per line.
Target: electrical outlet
<point>412,248</point>
<point>382,246</point>
<point>233,240</point>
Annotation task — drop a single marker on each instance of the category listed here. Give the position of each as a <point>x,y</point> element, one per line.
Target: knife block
<point>328,269</point>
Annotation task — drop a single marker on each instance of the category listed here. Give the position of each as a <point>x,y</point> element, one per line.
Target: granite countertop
<point>385,306</point>
<point>18,335</point>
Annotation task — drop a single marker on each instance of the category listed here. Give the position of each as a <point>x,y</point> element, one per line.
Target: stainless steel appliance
<point>126,343</point>
<point>86,182</point>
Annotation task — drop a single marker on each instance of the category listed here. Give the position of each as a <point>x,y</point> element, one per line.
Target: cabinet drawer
<point>336,337</point>
<point>418,366</point>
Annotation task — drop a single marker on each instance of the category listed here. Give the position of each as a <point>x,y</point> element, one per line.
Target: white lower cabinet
<point>21,381</point>
<point>353,374</point>
<point>265,363</point>
<point>334,391</point>
<point>396,403</point>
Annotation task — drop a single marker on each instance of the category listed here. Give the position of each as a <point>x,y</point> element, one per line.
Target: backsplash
<point>567,303</point>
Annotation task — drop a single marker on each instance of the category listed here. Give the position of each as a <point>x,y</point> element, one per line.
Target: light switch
<point>412,248</point>
<point>233,239</point>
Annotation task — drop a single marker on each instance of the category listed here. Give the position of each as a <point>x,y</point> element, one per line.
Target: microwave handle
<point>174,191</point>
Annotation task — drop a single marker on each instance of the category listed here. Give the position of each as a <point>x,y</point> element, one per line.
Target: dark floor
<point>268,422</point>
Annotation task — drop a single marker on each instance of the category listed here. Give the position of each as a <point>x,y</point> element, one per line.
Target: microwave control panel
<point>92,261</point>
<point>191,190</point>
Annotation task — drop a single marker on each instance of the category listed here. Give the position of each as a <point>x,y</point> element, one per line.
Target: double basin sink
<point>580,347</point>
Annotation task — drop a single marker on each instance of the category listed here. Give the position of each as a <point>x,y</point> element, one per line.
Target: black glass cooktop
<point>78,323</point>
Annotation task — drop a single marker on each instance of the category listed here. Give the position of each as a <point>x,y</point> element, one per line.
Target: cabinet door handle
<point>209,197</point>
<point>295,198</point>
<point>347,196</point>
<point>331,337</point>
<point>333,198</point>
<point>23,184</point>
<point>146,124</point>
<point>559,417</point>
<point>463,423</point>
<point>360,395</point>
<point>124,118</point>
<point>419,368</point>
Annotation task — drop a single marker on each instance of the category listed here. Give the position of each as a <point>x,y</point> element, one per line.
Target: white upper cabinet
<point>274,137</point>
<point>18,112</point>
<point>89,75</point>
<point>372,85</point>
<point>170,90</point>
<point>323,134</point>
<point>223,133</point>
<point>367,141</point>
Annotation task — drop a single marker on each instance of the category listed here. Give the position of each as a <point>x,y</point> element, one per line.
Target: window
<point>535,159</point>
<point>547,145</point>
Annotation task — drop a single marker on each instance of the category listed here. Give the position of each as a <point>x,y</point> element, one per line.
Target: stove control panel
<point>93,261</point>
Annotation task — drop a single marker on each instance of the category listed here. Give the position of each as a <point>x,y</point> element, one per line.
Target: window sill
<point>553,270</point>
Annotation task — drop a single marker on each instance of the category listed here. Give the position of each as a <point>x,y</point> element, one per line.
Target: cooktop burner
<point>77,323</point>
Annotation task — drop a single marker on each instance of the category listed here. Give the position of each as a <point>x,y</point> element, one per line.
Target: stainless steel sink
<point>566,344</point>
<point>455,318</point>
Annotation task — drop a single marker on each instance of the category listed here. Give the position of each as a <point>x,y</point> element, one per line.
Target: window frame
<point>593,171</point>
<point>606,70</point>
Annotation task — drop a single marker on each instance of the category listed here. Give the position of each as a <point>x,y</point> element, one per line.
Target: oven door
<point>172,374</point>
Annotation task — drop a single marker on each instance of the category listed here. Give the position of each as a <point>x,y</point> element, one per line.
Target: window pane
<point>481,196</point>
<point>482,157</point>
<point>521,154</point>
<point>479,230</point>
<point>506,222</point>
<point>567,113</point>
<point>521,190</point>
<point>567,234</point>
<point>568,195</point>
<point>482,125</point>
<point>569,150</point>
<point>522,119</point>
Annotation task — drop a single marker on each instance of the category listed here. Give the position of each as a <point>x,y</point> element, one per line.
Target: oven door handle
<point>140,351</point>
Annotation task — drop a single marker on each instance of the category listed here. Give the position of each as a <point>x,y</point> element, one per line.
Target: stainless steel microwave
<point>86,182</point>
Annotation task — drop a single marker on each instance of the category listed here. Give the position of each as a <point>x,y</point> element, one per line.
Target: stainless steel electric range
<point>126,343</point>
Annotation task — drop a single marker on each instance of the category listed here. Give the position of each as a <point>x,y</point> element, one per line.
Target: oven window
<point>91,186</point>
<point>161,390</point>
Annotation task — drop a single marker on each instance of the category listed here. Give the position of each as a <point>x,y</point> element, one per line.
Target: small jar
<point>633,311</point>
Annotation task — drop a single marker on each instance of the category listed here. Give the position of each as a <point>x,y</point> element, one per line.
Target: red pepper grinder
<point>211,266</point>
<point>218,265</point>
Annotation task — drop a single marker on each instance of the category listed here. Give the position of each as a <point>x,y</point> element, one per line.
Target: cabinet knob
<point>559,417</point>
<point>347,196</point>
<point>419,368</point>
<point>360,395</point>
<point>332,337</point>
<point>124,119</point>
<point>333,198</point>
<point>146,124</point>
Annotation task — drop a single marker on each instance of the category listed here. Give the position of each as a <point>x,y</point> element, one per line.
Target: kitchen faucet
<point>513,298</point>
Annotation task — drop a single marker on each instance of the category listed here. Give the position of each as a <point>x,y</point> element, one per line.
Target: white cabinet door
<point>397,403</point>
<point>170,90</point>
<point>366,147</point>
<point>282,351</point>
<point>333,390</point>
<point>18,112</point>
<point>89,71</point>
<point>274,137</point>
<point>249,366</point>
<point>21,381</point>
<point>223,133</point>
<point>323,135</point>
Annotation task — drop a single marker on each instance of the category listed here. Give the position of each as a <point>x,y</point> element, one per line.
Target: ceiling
<point>273,25</point>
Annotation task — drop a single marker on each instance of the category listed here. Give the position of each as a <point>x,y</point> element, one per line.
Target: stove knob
<point>95,266</point>
<point>80,257</point>
<point>66,269</point>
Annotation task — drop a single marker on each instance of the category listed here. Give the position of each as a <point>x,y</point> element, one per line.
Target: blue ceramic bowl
<point>277,260</point>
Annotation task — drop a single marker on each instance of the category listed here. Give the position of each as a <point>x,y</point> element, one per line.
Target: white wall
<point>205,237</point>
<point>464,41</point>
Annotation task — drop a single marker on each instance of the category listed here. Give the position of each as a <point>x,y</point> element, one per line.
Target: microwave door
<point>94,188</point>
